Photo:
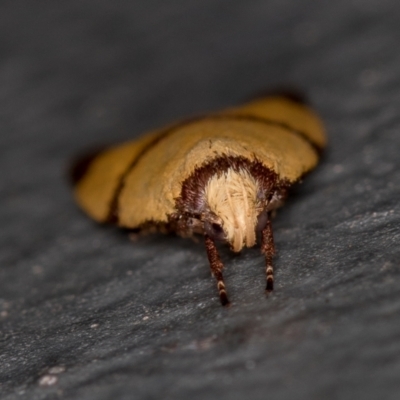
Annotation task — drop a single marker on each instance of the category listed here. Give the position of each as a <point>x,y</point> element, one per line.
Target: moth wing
<point>287,112</point>
<point>98,183</point>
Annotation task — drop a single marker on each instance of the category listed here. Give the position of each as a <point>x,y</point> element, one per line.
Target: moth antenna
<point>268,249</point>
<point>216,269</point>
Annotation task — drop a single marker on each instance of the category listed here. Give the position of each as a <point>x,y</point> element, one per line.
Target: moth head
<point>232,200</point>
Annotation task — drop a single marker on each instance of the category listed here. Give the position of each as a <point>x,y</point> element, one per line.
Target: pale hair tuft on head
<point>232,196</point>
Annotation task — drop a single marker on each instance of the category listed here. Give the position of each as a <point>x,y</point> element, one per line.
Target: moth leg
<point>216,269</point>
<point>268,249</point>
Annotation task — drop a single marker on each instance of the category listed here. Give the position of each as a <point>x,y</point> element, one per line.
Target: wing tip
<point>289,93</point>
<point>80,165</point>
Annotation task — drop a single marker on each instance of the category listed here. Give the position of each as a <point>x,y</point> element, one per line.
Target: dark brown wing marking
<point>271,122</point>
<point>113,214</point>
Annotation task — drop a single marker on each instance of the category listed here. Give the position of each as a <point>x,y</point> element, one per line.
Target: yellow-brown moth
<point>220,176</point>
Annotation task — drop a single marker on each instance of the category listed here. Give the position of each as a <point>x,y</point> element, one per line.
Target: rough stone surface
<point>86,314</point>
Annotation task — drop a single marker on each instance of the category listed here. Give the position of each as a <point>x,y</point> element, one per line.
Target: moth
<point>219,175</point>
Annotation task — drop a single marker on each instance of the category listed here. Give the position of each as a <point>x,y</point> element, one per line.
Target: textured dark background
<point>86,314</point>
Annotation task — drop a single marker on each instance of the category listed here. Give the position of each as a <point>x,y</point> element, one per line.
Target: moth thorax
<point>232,196</point>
